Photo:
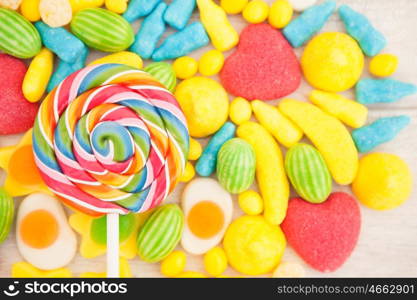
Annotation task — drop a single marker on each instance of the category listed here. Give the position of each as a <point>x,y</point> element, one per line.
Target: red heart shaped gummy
<point>324,234</point>
<point>263,67</point>
<point>16,113</point>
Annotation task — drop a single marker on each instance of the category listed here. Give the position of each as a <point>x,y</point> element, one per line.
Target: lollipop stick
<point>113,246</point>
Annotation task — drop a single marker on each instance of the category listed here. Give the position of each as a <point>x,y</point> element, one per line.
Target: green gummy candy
<point>6,214</point>
<point>98,228</point>
<point>164,73</point>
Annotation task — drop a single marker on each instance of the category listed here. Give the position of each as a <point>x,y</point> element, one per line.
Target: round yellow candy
<point>215,261</point>
<point>289,270</point>
<point>383,181</point>
<point>173,264</point>
<point>195,150</point>
<point>383,65</point>
<point>240,110</point>
<point>185,67</point>
<point>205,104</point>
<point>189,172</point>
<point>253,246</point>
<point>30,10</point>
<point>233,6</point>
<point>251,203</point>
<point>117,6</point>
<point>211,63</point>
<point>332,62</point>
<point>280,13</point>
<point>256,11</point>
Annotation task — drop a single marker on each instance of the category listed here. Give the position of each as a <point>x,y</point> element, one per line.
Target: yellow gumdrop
<point>205,104</point>
<point>195,150</point>
<point>185,67</point>
<point>289,270</point>
<point>117,6</point>
<point>256,11</point>
<point>383,181</point>
<point>173,264</point>
<point>123,57</point>
<point>280,13</point>
<point>30,10</point>
<point>332,62</point>
<point>82,4</point>
<point>233,6</point>
<point>189,172</point>
<point>211,63</point>
<point>383,65</point>
<point>191,274</point>
<point>253,246</point>
<point>251,203</point>
<point>240,110</point>
<point>215,261</point>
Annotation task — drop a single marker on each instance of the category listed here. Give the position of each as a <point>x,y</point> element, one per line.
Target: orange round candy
<point>39,229</point>
<point>205,219</point>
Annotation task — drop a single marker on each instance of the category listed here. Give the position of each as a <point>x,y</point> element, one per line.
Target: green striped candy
<point>102,29</point>
<point>18,37</point>
<point>161,233</point>
<point>236,165</point>
<point>6,214</point>
<point>164,73</point>
<point>308,173</point>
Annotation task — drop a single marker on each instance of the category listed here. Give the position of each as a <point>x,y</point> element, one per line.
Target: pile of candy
<point>110,138</point>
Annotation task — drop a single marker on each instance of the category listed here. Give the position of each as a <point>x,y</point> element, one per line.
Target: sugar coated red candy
<point>17,114</point>
<point>324,234</point>
<point>263,67</point>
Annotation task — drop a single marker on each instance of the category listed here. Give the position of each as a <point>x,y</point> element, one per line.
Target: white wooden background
<point>388,241</point>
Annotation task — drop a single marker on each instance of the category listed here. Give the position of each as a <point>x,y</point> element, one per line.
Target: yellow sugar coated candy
<point>348,111</point>
<point>240,110</point>
<point>284,130</point>
<point>123,57</point>
<point>383,65</point>
<point>26,270</point>
<point>185,67</point>
<point>280,13</point>
<point>233,7</point>
<point>191,274</point>
<point>251,203</point>
<point>211,63</point>
<point>117,6</point>
<point>174,264</point>
<point>215,261</point>
<point>256,11</point>
<point>384,181</point>
<point>289,270</point>
<point>30,10</point>
<point>195,150</point>
<point>38,75</point>
<point>189,172</point>
<point>83,4</point>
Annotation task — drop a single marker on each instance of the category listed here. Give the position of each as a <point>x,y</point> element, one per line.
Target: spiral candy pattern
<point>110,139</point>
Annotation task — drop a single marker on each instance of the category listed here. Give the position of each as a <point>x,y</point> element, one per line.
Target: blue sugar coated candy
<point>358,26</point>
<point>302,28</point>
<point>63,43</point>
<point>150,32</point>
<point>206,164</point>
<point>178,13</point>
<point>387,90</point>
<point>181,43</point>
<point>139,8</point>
<point>382,130</point>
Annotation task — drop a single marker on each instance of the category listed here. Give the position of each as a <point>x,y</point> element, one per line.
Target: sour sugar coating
<point>358,26</point>
<point>150,32</point>
<point>178,13</point>
<point>182,42</point>
<point>206,164</point>
<point>94,147</point>
<point>302,28</point>
<point>139,8</point>
<point>369,91</point>
<point>382,130</point>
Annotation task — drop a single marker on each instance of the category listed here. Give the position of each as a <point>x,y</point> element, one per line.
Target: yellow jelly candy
<point>384,181</point>
<point>38,75</point>
<point>185,67</point>
<point>173,264</point>
<point>82,4</point>
<point>332,62</point>
<point>195,150</point>
<point>30,10</point>
<point>276,123</point>
<point>205,104</point>
<point>26,270</point>
<point>189,172</point>
<point>383,65</point>
<point>215,261</point>
<point>124,57</point>
<point>254,246</point>
<point>289,270</point>
<point>256,11</point>
<point>191,274</point>
<point>233,6</point>
<point>251,203</point>
<point>117,6</point>
<point>240,110</point>
<point>211,63</point>
<point>280,13</point>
